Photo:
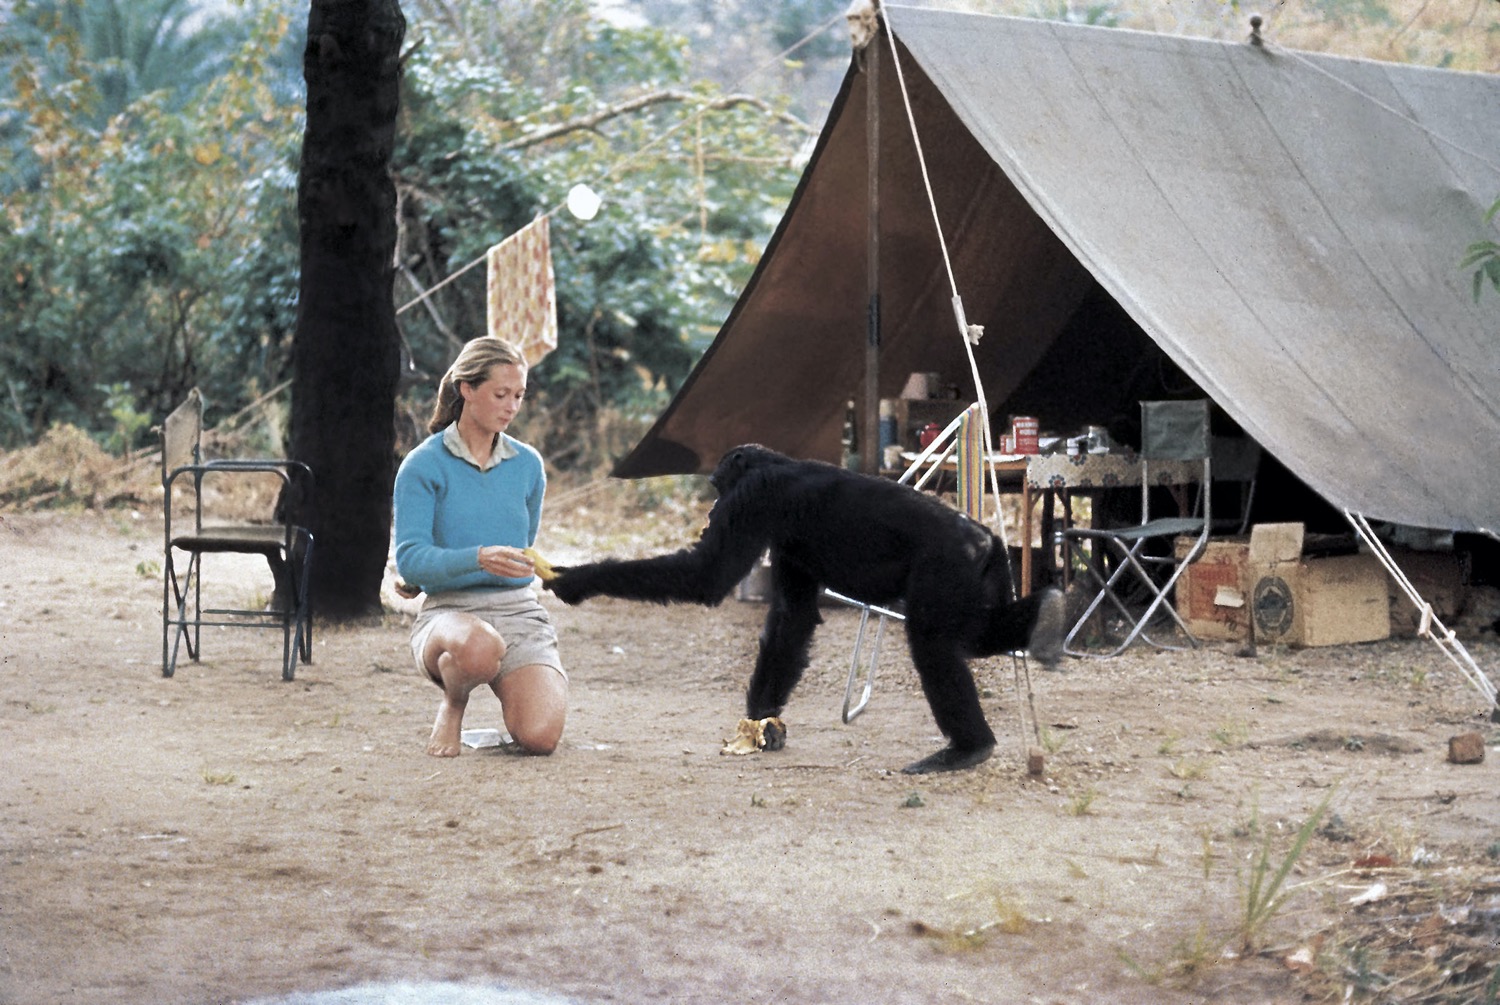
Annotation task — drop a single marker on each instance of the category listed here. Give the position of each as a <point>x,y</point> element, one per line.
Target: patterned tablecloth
<point>1094,471</point>
<point>1040,473</point>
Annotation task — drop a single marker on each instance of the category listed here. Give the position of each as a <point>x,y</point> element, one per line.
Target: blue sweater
<point>446,509</point>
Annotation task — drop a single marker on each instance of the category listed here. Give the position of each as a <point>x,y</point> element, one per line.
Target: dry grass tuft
<point>66,468</point>
<point>1421,936</point>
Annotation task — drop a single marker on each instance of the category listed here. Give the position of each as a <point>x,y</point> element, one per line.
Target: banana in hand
<point>543,567</point>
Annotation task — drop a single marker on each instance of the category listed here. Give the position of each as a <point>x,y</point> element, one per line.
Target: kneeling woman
<point>468,501</point>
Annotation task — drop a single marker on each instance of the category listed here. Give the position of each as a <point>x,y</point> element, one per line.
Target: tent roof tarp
<point>1285,227</point>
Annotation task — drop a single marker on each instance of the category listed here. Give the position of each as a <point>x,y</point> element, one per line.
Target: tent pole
<point>869,412</point>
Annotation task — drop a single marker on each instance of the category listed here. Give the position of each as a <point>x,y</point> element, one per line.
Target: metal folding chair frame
<point>866,688</point>
<point>1128,543</point>
<point>183,614</point>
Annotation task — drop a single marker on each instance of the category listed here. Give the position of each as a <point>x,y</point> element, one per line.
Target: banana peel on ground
<point>756,734</point>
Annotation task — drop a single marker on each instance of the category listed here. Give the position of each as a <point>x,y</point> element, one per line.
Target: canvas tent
<point>1281,229</point>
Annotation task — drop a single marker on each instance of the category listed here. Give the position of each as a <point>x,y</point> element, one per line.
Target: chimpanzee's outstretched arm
<point>784,641</point>
<point>740,526</point>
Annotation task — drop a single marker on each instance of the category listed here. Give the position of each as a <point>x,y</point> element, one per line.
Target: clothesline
<point>634,155</point>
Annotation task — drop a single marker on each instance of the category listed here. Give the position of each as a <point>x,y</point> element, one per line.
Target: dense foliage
<point>148,231</point>
<point>148,237</point>
<point>693,181</point>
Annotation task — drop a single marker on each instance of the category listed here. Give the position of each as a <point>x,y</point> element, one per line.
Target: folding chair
<point>286,547</point>
<point>1236,465</point>
<point>964,441</point>
<point>1170,431</point>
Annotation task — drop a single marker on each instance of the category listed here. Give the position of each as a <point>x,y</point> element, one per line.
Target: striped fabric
<point>969,456</point>
<point>520,294</point>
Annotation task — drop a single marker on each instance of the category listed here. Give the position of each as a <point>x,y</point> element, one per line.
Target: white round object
<point>583,202</point>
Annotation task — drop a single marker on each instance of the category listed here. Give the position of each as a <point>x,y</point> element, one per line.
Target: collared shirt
<point>503,450</point>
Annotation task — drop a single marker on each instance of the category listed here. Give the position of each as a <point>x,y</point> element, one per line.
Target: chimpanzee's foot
<point>949,759</point>
<point>773,733</point>
<point>1047,632</point>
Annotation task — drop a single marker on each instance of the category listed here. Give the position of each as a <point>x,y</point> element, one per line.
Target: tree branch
<point>594,120</point>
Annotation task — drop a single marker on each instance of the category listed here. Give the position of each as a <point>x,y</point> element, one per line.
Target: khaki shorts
<point>516,614</point>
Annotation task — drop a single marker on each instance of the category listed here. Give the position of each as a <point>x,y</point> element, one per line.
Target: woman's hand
<point>502,560</point>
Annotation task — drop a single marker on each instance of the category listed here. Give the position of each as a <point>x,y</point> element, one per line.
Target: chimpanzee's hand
<point>567,585</point>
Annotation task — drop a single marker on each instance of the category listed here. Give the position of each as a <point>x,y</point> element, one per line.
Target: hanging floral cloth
<point>520,292</point>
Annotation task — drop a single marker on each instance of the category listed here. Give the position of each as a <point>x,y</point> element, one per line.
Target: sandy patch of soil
<point>224,835</point>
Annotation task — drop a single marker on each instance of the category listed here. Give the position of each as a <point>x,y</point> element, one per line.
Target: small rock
<point>1466,748</point>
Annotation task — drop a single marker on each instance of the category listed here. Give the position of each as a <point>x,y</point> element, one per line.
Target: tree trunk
<point>346,355</point>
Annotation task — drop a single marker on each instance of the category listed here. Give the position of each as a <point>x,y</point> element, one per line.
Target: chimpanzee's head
<point>740,461</point>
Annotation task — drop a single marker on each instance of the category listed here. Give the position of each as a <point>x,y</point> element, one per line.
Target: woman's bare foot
<point>447,731</point>
<point>462,654</point>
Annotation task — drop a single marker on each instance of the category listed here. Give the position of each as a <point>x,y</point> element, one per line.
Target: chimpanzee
<point>865,537</point>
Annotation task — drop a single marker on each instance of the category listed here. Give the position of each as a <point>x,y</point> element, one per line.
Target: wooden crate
<point>1210,593</point>
<point>1302,601</point>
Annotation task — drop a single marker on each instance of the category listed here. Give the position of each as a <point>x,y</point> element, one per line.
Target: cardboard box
<point>1211,592</point>
<point>1301,601</point>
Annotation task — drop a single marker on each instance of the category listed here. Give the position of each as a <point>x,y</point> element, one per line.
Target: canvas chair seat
<point>284,544</point>
<point>265,540</point>
<point>1166,527</point>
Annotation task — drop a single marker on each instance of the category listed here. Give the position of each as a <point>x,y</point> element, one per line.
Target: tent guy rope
<point>1431,626</point>
<point>968,333</point>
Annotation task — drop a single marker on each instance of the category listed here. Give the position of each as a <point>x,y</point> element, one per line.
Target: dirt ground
<point>224,836</point>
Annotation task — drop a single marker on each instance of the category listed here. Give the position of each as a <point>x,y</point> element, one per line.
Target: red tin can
<point>1028,428</point>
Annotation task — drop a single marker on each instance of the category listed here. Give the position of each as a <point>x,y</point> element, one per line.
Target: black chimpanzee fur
<point>867,538</point>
